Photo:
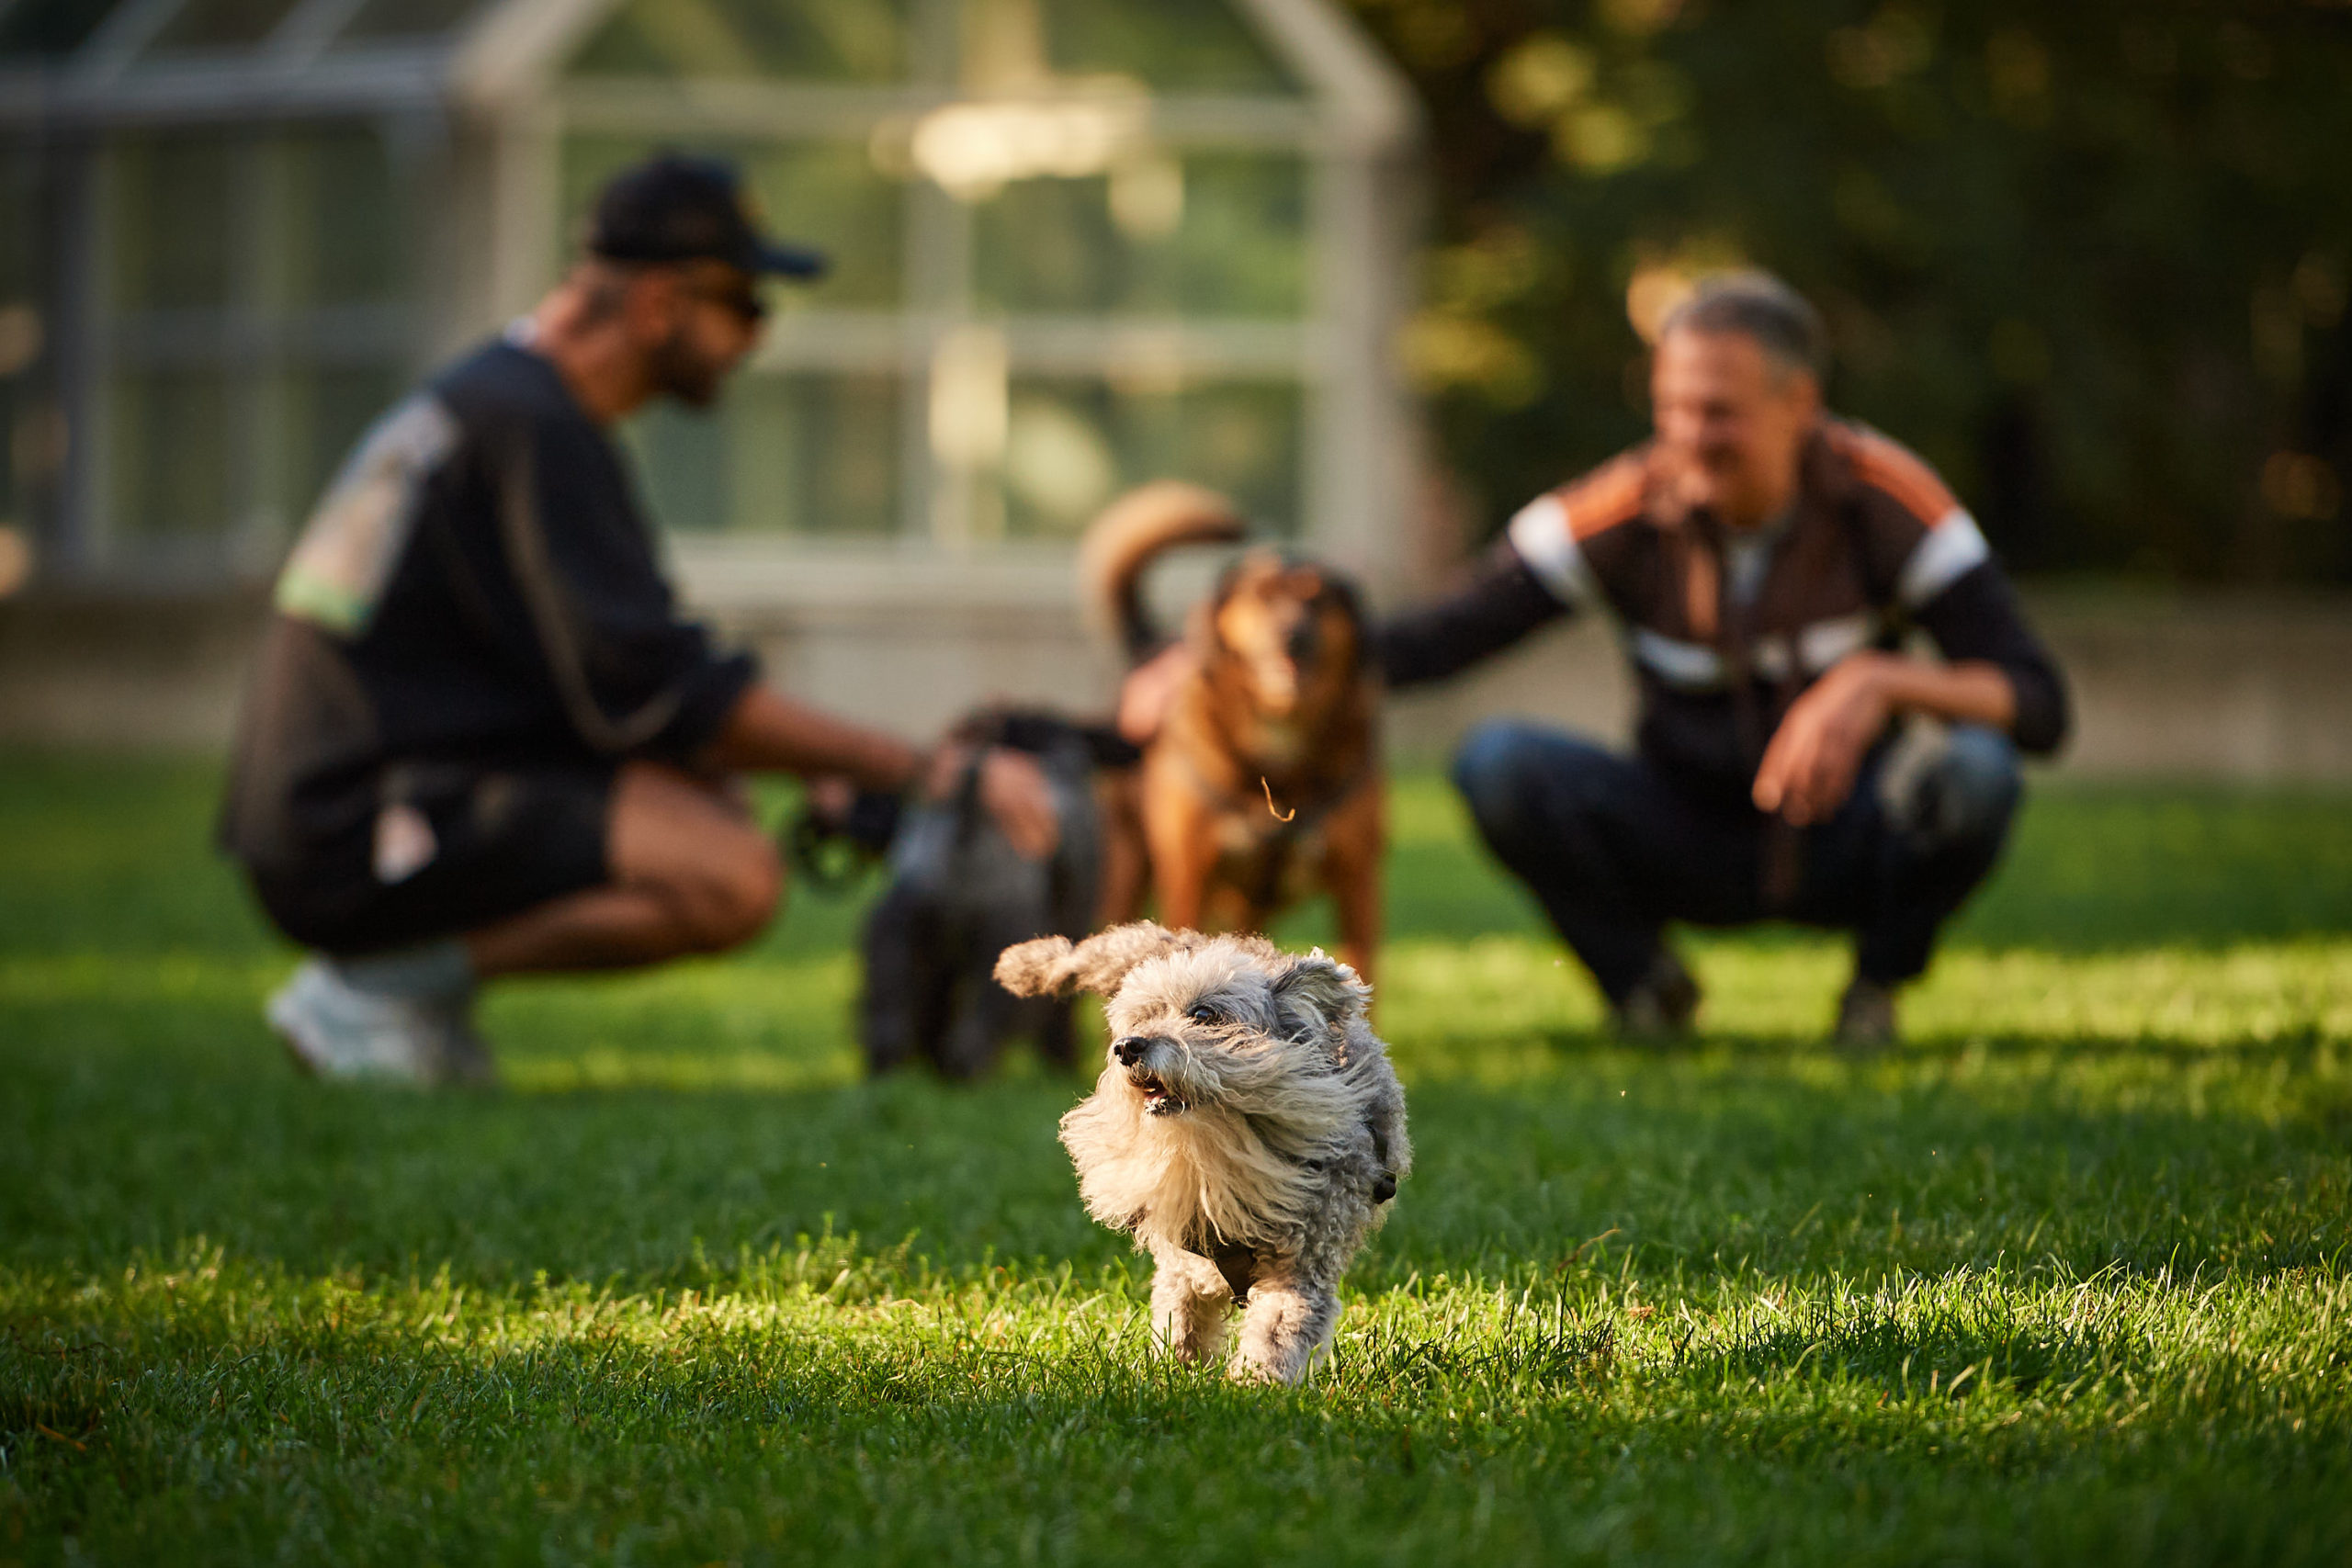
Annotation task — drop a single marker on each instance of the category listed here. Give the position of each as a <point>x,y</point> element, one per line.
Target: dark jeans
<point>1613,848</point>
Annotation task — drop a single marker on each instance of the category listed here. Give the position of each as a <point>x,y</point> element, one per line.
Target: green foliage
<point>2090,260</point>
<point>2064,1279</point>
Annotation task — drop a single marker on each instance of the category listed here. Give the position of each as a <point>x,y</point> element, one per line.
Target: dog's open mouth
<point>1159,1099</point>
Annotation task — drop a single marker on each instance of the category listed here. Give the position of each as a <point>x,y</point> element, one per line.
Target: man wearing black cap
<point>480,739</point>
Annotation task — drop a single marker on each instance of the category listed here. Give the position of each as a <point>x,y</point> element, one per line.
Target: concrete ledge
<point>2249,687</point>
<point>128,671</point>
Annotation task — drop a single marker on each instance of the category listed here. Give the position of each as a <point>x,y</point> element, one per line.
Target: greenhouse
<point>1077,244</point>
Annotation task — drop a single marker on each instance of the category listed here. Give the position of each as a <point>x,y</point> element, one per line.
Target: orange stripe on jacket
<point>1896,470</point>
<point>1613,494</point>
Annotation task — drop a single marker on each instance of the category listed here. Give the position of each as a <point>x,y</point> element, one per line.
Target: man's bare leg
<point>691,874</point>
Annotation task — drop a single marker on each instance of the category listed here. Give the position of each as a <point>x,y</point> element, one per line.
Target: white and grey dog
<point>1248,1129</point>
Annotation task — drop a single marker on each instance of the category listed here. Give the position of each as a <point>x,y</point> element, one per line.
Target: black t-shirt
<point>478,589</point>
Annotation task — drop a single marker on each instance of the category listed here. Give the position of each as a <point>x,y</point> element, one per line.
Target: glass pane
<point>327,411</point>
<point>172,231</point>
<point>24,230</point>
<point>50,27</point>
<point>1197,46</point>
<point>807,454</point>
<point>826,41</point>
<point>31,427</point>
<point>169,453</point>
<point>405,19</point>
<point>815,454</point>
<point>1216,235</point>
<point>218,24</point>
<point>345,243</point>
<point>1072,444</point>
<point>826,194</point>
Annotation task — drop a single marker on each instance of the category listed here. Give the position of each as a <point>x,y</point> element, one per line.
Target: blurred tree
<point>2091,260</point>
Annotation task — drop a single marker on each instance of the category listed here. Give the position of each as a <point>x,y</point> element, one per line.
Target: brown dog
<point>1262,784</point>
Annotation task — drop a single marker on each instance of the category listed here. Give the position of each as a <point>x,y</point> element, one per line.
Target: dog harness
<point>1237,1260</point>
<point>1276,838</point>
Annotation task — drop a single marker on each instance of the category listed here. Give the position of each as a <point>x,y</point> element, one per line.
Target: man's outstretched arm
<point>766,731</point>
<point>1502,602</point>
<point>769,732</point>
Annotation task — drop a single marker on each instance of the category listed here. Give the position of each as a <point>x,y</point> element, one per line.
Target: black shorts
<point>500,841</point>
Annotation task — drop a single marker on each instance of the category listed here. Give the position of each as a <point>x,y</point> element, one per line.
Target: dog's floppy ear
<point>1319,995</point>
<point>1050,966</point>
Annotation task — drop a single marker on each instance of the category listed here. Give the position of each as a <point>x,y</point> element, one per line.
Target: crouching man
<point>480,740</point>
<point>1765,562</point>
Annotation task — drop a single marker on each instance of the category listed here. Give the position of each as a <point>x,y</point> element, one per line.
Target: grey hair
<point>1761,308</point>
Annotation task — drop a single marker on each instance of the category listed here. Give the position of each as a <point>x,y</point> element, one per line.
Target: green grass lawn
<point>2064,1279</point>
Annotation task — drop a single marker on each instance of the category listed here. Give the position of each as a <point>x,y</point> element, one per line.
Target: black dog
<point>959,895</point>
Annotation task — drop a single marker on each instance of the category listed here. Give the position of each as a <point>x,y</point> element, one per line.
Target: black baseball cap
<point>675,206</point>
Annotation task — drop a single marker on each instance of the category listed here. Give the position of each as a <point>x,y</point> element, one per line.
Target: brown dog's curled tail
<point>1124,539</point>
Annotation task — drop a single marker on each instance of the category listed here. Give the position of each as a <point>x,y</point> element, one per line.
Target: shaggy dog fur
<point>1248,1129</point>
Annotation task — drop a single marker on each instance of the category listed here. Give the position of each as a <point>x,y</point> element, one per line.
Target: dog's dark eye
<point>1203,1013</point>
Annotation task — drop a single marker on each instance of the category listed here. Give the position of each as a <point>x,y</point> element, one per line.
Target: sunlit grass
<point>2064,1279</point>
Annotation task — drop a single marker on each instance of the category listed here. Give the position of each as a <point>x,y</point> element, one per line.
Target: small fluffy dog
<point>1248,1129</point>
<point>1263,785</point>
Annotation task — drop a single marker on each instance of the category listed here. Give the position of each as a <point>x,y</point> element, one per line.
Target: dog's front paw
<point>1272,1369</point>
<point>1035,968</point>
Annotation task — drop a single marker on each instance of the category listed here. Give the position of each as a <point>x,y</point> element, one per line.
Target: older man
<point>1765,562</point>
<point>480,740</point>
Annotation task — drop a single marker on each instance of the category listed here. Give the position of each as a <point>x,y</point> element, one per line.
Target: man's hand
<point>1149,688</point>
<point>1013,790</point>
<point>1809,767</point>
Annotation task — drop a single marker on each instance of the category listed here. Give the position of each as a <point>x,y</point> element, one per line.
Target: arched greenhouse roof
<point>98,62</point>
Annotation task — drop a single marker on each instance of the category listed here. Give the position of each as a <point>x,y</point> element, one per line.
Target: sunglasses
<point>743,300</point>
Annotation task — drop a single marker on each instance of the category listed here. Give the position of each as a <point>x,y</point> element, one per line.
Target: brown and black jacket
<point>1874,546</point>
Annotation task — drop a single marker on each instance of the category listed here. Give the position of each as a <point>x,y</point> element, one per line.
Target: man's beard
<point>685,375</point>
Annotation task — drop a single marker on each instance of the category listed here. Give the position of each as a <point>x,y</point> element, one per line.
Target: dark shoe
<point>1660,1006</point>
<point>1866,1018</point>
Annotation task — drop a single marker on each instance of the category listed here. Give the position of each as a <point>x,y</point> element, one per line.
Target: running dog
<point>1247,1129</point>
<point>1262,783</point>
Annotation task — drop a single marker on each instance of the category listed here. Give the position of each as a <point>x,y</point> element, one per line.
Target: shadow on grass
<point>2300,1048</point>
<point>1725,1160</point>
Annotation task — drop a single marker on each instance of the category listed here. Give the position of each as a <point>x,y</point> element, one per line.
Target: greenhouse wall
<point>1078,245</point>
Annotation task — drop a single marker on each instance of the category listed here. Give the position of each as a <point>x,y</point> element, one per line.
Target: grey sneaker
<point>1865,1017</point>
<point>1661,1005</point>
<point>335,1030</point>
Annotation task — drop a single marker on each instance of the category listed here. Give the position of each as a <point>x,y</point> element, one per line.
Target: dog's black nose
<point>1130,1050</point>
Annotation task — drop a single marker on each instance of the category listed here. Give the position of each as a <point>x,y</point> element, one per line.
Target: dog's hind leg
<point>1289,1320</point>
<point>892,1022</point>
<point>1189,1302</point>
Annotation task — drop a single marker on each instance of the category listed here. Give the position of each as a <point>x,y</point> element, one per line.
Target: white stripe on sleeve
<point>1953,548</point>
<point>1541,535</point>
<point>1692,665</point>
